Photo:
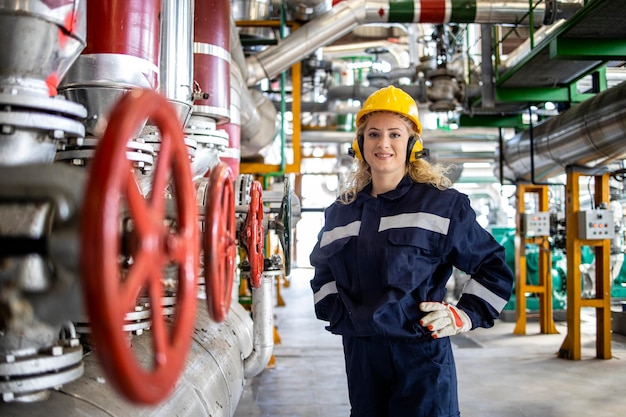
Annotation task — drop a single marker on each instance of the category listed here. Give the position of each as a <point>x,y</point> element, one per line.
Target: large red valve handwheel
<point>254,234</point>
<point>220,244</point>
<point>110,290</point>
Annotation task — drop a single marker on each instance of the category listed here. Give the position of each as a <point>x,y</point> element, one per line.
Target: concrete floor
<point>500,374</point>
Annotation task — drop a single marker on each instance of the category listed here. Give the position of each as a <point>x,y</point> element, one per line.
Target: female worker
<point>382,260</point>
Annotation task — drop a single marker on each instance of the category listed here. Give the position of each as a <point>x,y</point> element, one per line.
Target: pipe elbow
<point>263,328</point>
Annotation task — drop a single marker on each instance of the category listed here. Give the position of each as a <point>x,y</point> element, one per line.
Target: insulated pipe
<point>347,15</point>
<point>259,122</point>
<point>176,57</point>
<point>590,133</point>
<point>129,28</point>
<point>305,10</point>
<point>211,62</point>
<point>263,327</point>
<point>41,41</point>
<point>232,155</point>
<point>211,383</point>
<point>253,121</point>
<point>394,50</point>
<point>238,93</point>
<point>122,52</point>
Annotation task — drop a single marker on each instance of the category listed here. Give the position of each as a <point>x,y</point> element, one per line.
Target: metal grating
<point>599,20</point>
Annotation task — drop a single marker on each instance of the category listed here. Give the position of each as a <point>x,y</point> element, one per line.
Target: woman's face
<point>385,140</point>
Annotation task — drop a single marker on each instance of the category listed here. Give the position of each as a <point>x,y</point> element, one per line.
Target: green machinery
<point>506,237</point>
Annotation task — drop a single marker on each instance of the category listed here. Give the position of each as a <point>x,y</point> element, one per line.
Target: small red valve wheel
<point>220,245</point>
<point>254,234</point>
<point>111,287</point>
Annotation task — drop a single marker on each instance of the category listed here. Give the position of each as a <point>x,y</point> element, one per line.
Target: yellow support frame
<point>544,287</point>
<point>571,347</point>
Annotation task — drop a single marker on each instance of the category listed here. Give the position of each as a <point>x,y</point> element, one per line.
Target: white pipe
<point>263,327</point>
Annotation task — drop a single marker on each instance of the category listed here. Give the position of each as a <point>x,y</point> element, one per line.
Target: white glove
<point>444,319</point>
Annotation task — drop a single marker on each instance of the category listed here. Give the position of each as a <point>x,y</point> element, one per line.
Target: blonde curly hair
<point>420,170</point>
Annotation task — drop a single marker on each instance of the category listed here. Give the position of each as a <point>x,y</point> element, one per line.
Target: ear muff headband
<point>415,149</point>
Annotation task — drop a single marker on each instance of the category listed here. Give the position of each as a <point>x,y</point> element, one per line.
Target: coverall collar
<point>403,187</point>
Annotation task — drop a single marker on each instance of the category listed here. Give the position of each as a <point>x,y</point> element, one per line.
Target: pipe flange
<point>55,105</point>
<point>27,378</point>
<point>78,153</point>
<point>217,138</point>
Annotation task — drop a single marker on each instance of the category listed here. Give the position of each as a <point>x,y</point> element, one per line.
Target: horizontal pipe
<point>589,134</point>
<point>347,15</point>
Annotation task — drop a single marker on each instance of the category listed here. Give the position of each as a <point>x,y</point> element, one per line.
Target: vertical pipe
<point>238,92</point>
<point>263,327</point>
<point>176,64</point>
<point>232,155</point>
<point>212,58</point>
<point>122,52</point>
<point>126,27</point>
<point>486,66</point>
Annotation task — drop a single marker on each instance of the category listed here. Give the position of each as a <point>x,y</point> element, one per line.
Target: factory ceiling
<point>539,65</point>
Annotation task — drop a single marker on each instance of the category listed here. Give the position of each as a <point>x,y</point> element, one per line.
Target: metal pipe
<point>347,15</point>
<point>232,154</point>
<point>589,134</point>
<point>263,327</point>
<point>176,66</point>
<point>238,97</point>
<point>259,122</point>
<point>438,139</point>
<point>40,44</point>
<point>396,53</point>
<point>305,10</point>
<point>211,61</point>
<point>129,28</point>
<point>486,67</point>
<point>321,31</point>
<point>122,52</point>
<point>211,384</point>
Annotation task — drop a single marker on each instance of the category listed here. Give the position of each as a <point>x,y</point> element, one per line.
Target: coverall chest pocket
<point>342,260</point>
<point>413,256</point>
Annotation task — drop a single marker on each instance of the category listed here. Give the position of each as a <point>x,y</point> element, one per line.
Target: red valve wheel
<point>254,234</point>
<point>111,288</point>
<point>220,245</point>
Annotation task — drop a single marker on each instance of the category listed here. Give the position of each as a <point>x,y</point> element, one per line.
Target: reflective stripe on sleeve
<point>337,233</point>
<point>327,289</point>
<point>426,221</point>
<point>476,288</point>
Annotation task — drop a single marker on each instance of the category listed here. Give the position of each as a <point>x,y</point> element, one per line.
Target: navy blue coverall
<point>375,260</point>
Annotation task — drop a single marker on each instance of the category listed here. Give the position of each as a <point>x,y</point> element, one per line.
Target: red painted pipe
<point>433,10</point>
<point>127,27</point>
<point>232,155</point>
<point>212,57</point>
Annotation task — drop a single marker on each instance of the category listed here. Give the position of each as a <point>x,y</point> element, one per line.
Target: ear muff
<point>357,145</point>
<point>415,149</point>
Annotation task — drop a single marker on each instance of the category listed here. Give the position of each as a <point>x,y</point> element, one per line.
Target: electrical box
<point>596,224</point>
<point>537,224</point>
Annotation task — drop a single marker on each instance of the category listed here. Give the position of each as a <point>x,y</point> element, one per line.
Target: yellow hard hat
<point>394,100</point>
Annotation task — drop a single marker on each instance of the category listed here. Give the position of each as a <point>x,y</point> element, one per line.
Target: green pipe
<point>404,11</point>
